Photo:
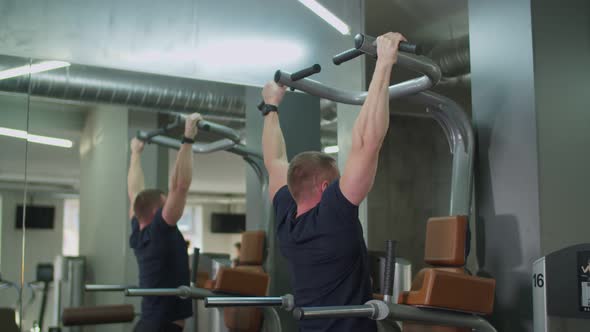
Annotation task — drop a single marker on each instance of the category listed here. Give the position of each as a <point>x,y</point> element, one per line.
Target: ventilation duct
<point>87,84</point>
<point>452,56</point>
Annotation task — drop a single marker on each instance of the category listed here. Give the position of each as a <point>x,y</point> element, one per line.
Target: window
<point>71,227</point>
<point>190,225</point>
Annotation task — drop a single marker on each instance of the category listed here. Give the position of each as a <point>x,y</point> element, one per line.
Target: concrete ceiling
<point>233,41</point>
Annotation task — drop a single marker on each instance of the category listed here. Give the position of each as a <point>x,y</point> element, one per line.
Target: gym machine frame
<point>457,128</point>
<point>449,115</point>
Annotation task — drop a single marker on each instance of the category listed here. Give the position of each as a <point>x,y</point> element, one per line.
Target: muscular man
<point>316,210</point>
<point>159,246</point>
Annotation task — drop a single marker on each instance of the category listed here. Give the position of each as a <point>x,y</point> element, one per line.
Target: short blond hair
<point>146,201</point>
<point>307,169</point>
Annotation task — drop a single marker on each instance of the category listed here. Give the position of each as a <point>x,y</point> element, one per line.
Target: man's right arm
<point>135,178</point>
<point>371,125</point>
<point>182,175</point>
<point>273,142</point>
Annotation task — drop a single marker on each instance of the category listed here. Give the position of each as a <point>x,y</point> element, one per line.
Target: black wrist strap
<point>186,140</point>
<point>266,108</point>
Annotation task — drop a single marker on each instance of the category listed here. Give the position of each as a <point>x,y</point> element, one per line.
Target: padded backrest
<point>245,281</point>
<point>252,251</point>
<point>445,241</point>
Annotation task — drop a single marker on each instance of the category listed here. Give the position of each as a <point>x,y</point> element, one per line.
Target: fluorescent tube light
<point>32,69</point>
<point>327,16</point>
<point>331,149</point>
<point>64,143</point>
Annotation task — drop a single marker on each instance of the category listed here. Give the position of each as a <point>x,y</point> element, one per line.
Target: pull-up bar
<point>431,76</point>
<point>231,140</point>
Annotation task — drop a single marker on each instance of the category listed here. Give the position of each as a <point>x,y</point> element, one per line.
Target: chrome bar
<point>182,291</point>
<point>286,302</point>
<point>106,288</point>
<point>270,301</point>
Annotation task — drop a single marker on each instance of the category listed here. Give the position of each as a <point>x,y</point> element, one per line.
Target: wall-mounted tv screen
<point>228,223</point>
<point>38,216</point>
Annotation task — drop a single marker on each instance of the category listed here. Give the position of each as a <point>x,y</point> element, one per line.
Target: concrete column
<point>507,188</point>
<point>104,226</point>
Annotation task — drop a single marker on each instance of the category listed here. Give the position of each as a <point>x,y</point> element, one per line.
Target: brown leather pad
<point>452,291</point>
<point>242,282</point>
<point>252,251</point>
<point>445,241</point>
<point>107,314</point>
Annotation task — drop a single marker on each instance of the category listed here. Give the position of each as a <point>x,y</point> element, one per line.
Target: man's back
<point>327,256</point>
<point>163,263</point>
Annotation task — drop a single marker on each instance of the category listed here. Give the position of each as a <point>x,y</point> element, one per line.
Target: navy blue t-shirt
<point>327,256</point>
<point>162,258</point>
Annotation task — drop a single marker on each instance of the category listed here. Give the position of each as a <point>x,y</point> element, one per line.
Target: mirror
<point>78,180</point>
<point>80,233</point>
<point>14,136</point>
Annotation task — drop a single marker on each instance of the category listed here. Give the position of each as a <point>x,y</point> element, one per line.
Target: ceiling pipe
<point>452,56</point>
<point>95,85</point>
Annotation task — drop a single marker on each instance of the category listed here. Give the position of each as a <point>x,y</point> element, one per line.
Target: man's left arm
<point>274,150</point>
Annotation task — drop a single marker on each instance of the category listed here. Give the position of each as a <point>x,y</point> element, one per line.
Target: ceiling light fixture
<point>327,16</point>
<point>63,143</point>
<point>32,69</point>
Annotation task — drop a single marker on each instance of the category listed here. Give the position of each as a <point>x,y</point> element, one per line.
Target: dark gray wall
<point>563,125</point>
<point>563,120</point>
<point>506,170</point>
<point>299,117</point>
<point>413,179</point>
<point>412,184</point>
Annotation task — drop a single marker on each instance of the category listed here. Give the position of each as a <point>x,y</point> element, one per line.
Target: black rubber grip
<point>296,76</point>
<point>404,46</point>
<point>389,267</point>
<point>346,56</point>
<point>410,48</point>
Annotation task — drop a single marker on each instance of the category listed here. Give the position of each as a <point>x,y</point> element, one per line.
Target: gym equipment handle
<point>296,76</point>
<point>366,311</point>
<point>389,268</point>
<point>299,75</point>
<point>346,56</point>
<point>368,43</point>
